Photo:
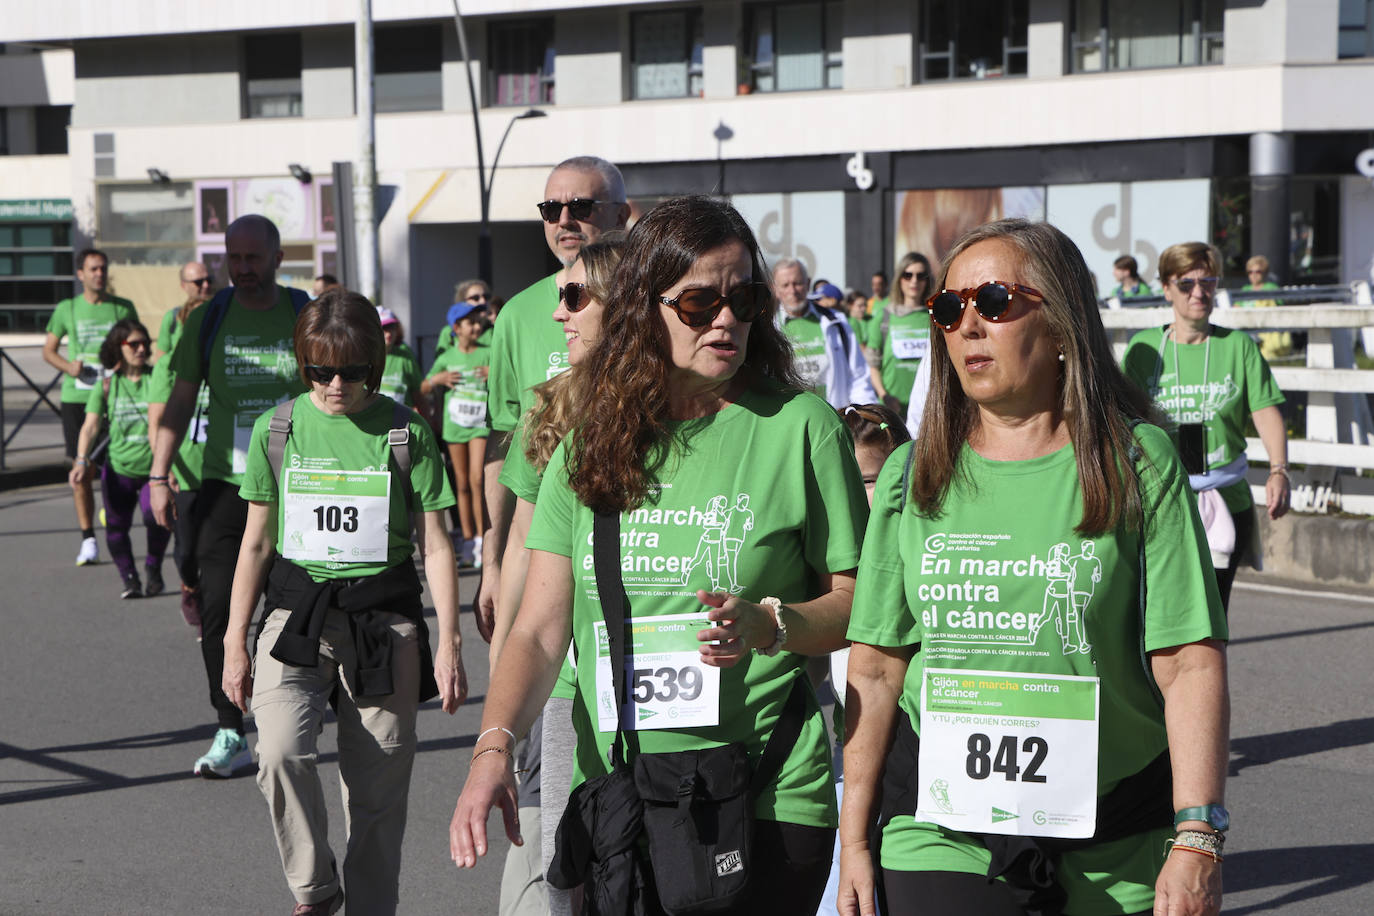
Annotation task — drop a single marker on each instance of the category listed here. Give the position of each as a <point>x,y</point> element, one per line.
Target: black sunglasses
<point>202,281</point>
<point>992,300</point>
<point>325,374</point>
<point>142,344</point>
<point>574,296</point>
<point>1185,284</point>
<point>697,308</point>
<point>579,207</point>
<point>913,275</point>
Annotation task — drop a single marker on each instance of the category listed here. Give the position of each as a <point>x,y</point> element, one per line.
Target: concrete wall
<point>588,69</point>
<point>41,78</point>
<point>192,79</point>
<point>1047,39</point>
<point>1324,551</point>
<point>722,32</point>
<point>327,84</point>
<point>1281,31</point>
<point>879,44</point>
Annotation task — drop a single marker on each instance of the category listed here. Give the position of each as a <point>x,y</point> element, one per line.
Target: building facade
<point>846,132</point>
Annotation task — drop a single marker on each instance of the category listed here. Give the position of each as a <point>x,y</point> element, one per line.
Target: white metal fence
<point>1339,440</point>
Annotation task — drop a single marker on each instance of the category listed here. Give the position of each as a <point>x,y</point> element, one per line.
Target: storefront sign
<point>35,211</point>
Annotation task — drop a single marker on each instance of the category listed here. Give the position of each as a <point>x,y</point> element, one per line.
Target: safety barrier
<point>10,357</point>
<point>1339,439</point>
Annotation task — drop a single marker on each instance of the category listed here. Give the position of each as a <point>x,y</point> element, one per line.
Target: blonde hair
<point>1258,262</point>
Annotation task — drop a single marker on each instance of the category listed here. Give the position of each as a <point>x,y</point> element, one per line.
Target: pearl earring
<point>1061,356</point>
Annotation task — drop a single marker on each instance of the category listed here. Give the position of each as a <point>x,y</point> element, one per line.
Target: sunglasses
<point>579,207</point>
<point>202,281</point>
<point>1185,285</point>
<point>992,300</point>
<point>697,308</point>
<point>138,344</point>
<point>325,374</point>
<point>913,275</point>
<point>574,296</point>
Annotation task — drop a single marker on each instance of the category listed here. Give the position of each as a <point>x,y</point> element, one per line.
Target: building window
<point>521,55</point>
<point>1126,35</point>
<point>272,75</point>
<point>974,39</point>
<point>50,124</point>
<point>666,54</point>
<point>796,46</point>
<point>1356,38</point>
<point>35,272</point>
<point>146,224</point>
<point>407,68</point>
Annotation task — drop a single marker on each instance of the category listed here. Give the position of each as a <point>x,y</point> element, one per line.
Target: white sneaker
<point>465,553</point>
<point>88,554</point>
<point>477,552</point>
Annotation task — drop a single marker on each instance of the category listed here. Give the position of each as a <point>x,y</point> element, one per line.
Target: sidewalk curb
<point>36,476</point>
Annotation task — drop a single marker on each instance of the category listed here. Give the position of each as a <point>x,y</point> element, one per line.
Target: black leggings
<point>791,866</point>
<point>1244,521</point>
<point>949,893</point>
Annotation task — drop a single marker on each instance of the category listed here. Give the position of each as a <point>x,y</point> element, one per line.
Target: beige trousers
<point>376,750</point>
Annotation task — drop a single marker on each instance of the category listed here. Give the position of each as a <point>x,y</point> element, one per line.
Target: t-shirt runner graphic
<point>722,536</point>
<point>1072,580</point>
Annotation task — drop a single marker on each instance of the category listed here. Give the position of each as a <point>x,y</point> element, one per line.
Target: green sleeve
<point>441,363</point>
<point>1261,390</point>
<point>517,474</point>
<point>836,504</point>
<point>554,511</point>
<point>95,403</point>
<point>503,380</point>
<point>164,334</point>
<point>259,485</point>
<point>444,342</point>
<point>1182,602</point>
<point>881,615</point>
<point>161,387</point>
<point>185,359</point>
<point>125,309</point>
<point>427,476</point>
<point>59,325</point>
<point>1139,362</point>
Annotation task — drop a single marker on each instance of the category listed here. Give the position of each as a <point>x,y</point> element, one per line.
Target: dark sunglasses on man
<point>580,207</point>
<point>697,308</point>
<point>992,300</point>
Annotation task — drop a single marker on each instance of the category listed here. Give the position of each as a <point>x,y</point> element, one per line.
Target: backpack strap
<point>906,477</point>
<point>611,590</point>
<point>278,429</point>
<point>786,731</point>
<point>830,315</point>
<point>218,307</point>
<point>398,437</point>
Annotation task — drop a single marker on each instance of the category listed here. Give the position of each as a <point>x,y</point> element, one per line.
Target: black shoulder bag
<point>695,808</point>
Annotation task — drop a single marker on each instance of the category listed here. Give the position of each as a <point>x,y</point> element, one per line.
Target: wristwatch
<point>1215,816</point>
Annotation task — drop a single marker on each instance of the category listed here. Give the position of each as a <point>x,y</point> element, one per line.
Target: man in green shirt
<point>246,360</point>
<point>84,321</point>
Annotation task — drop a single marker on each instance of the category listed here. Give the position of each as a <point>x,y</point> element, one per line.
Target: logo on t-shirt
<point>1071,583</point>
<point>724,527</point>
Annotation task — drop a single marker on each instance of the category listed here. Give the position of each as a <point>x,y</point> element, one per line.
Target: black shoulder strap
<point>786,731</point>
<point>215,311</point>
<point>278,430</point>
<point>906,477</point>
<point>611,588</point>
<point>299,298</point>
<point>830,315</point>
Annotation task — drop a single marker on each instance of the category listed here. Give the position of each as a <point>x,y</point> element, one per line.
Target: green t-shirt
<point>189,460</point>
<point>808,344</point>
<point>401,377</point>
<point>340,499</point>
<point>465,404</point>
<point>900,350</point>
<point>1141,290</point>
<point>85,325</point>
<point>1218,383</point>
<point>252,369</point>
<point>126,410</point>
<point>527,348</point>
<point>760,499</point>
<point>1001,583</point>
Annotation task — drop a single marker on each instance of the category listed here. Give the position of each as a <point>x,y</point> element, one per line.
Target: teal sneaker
<point>228,752</point>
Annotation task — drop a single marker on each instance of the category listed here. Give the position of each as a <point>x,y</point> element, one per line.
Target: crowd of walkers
<point>698,487</point>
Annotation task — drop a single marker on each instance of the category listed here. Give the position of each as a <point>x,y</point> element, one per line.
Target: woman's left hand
<point>449,673</point>
<point>1188,885</point>
<point>1277,495</point>
<point>741,626</point>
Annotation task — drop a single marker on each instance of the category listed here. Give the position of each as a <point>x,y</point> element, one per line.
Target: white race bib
<point>668,685</point>
<point>467,407</point>
<point>335,516</point>
<point>243,436</point>
<point>910,343</point>
<point>1005,752</point>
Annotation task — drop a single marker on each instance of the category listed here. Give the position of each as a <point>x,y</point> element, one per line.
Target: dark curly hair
<point>122,330</point>
<point>624,433</point>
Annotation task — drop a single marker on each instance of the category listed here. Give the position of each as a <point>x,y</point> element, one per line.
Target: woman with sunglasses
<point>328,535</point>
<point>1210,380</point>
<point>462,372</point>
<point>998,617</point>
<point>899,337</point>
<point>692,401</point>
<point>121,400</point>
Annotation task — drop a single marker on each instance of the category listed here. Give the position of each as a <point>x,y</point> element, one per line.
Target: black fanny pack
<point>694,809</point>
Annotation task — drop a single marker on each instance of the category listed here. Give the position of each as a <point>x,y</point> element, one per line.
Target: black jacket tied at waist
<point>395,590</point>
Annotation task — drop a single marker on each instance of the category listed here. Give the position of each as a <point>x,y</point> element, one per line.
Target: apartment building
<point>847,132</point>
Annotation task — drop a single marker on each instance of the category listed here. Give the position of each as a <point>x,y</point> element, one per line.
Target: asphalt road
<point>103,710</point>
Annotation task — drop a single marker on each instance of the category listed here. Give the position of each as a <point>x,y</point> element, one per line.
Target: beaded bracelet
<point>490,749</point>
<point>1214,856</point>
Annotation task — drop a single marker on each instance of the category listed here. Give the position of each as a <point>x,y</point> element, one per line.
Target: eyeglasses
<point>143,344</point>
<point>992,300</point>
<point>697,308</point>
<point>1185,284</point>
<point>913,275</point>
<point>325,374</point>
<point>201,281</point>
<point>579,207</point>
<point>574,296</point>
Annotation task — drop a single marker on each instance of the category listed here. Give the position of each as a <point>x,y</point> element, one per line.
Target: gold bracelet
<point>487,750</point>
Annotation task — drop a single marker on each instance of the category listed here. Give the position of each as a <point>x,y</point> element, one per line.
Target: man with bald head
<point>239,345</point>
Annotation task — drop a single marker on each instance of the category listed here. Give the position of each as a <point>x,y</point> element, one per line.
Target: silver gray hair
<point>612,181</point>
